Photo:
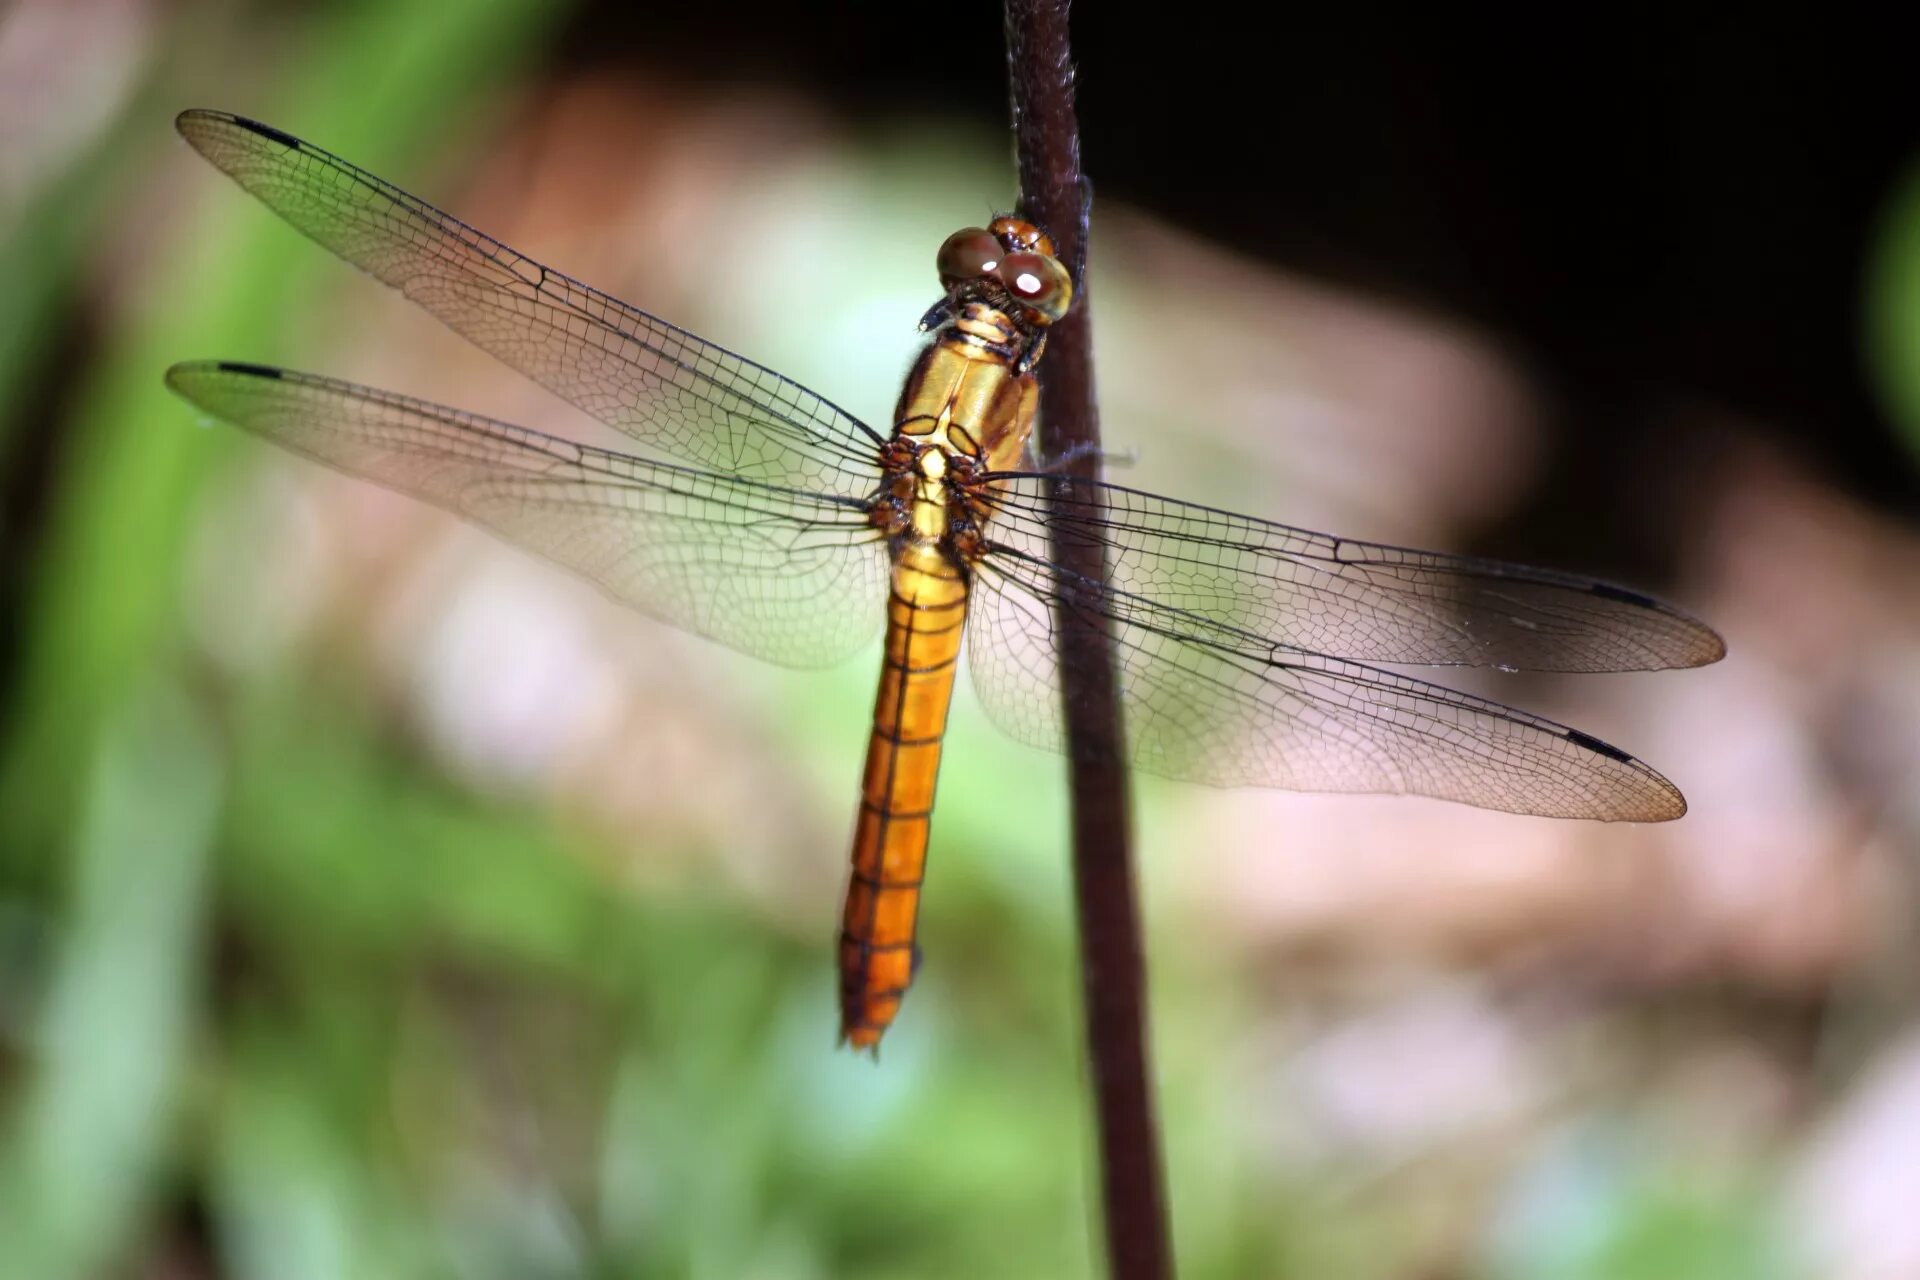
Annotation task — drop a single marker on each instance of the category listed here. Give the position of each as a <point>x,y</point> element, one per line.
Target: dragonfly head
<point>1010,265</point>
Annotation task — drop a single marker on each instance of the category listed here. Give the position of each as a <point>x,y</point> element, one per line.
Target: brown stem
<point>1053,194</point>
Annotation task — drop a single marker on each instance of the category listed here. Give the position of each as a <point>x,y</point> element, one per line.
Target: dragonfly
<point>777,523</point>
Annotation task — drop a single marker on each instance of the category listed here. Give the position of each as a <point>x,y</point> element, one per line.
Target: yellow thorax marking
<point>930,502</point>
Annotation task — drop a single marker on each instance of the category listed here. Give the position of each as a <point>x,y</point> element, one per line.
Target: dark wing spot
<point>286,140</point>
<point>251,370</point>
<point>1598,747</point>
<point>1607,591</point>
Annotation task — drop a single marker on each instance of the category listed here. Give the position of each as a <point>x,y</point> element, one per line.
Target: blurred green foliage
<point>1892,322</point>
<point>278,992</point>
<point>281,1000</point>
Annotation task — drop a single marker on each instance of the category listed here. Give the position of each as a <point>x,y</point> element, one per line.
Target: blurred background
<point>378,901</point>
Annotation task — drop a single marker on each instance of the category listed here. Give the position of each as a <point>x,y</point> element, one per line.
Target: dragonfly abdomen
<point>926,614</point>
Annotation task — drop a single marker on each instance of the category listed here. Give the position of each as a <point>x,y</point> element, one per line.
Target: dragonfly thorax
<point>967,394</point>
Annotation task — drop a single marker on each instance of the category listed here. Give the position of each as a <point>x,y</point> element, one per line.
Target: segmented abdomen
<point>925,617</point>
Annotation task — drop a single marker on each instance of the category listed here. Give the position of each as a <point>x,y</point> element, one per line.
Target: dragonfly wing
<point>785,575</point>
<point>656,382</point>
<point>1201,705</point>
<point>1365,601</point>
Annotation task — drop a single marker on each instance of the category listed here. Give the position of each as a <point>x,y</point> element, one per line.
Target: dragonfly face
<point>783,526</point>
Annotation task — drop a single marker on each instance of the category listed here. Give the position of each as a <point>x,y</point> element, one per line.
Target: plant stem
<point>1053,194</point>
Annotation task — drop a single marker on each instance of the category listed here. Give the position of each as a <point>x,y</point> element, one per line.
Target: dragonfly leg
<point>937,314</point>
<point>1030,353</point>
<point>1086,214</point>
<point>1073,454</point>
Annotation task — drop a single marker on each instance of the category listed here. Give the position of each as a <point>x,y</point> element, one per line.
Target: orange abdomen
<point>925,617</point>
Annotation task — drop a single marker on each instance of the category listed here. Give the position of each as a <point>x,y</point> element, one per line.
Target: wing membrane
<point>1201,704</point>
<point>652,380</point>
<point>1240,642</point>
<point>793,577</point>
<point>1340,598</point>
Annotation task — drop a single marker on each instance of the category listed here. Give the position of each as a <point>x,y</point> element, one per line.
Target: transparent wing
<point>793,577</point>
<point>1341,598</point>
<point>658,383</point>
<point>1205,703</point>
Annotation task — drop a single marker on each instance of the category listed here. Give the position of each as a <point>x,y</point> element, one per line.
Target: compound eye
<point>1021,236</point>
<point>1039,282</point>
<point>968,254</point>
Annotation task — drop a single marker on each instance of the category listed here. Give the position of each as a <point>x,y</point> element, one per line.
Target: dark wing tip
<point>1700,645</point>
<point>1654,800</point>
<point>184,380</point>
<point>180,377</point>
<point>1703,645</point>
<point>195,122</point>
<point>1713,647</point>
<point>1669,804</point>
